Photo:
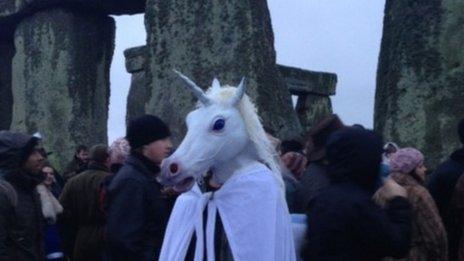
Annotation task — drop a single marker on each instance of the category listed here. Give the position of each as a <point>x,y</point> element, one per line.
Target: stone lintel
<point>12,11</point>
<point>301,81</point>
<point>135,58</point>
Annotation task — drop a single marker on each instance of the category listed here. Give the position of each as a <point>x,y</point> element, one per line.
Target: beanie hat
<point>99,153</point>
<point>406,160</point>
<point>461,130</point>
<point>145,130</point>
<point>119,150</point>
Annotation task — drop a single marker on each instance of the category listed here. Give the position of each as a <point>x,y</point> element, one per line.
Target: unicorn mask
<point>224,134</point>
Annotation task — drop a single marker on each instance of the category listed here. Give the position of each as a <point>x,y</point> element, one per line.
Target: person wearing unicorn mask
<point>137,210</point>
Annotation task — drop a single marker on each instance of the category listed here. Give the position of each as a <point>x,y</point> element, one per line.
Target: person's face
<point>83,155</point>
<point>49,176</point>
<point>34,162</point>
<point>421,171</point>
<point>157,150</point>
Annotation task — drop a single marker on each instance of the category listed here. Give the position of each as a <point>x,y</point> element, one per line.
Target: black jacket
<point>343,222</point>
<point>313,180</point>
<point>441,186</point>
<point>20,209</point>
<point>137,212</point>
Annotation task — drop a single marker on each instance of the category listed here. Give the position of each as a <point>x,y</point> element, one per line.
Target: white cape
<point>253,212</point>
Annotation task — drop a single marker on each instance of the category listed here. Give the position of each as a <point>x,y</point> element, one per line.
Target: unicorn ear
<point>239,93</point>
<point>215,85</point>
<point>197,91</point>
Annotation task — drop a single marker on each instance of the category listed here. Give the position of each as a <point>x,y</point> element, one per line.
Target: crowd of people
<point>363,199</point>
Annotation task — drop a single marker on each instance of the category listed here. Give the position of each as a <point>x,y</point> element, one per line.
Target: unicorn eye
<point>219,124</point>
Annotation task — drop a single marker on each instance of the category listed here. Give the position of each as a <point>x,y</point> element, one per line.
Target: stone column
<point>313,90</point>
<point>139,92</point>
<point>207,39</point>
<point>6,96</point>
<point>420,78</point>
<point>61,78</point>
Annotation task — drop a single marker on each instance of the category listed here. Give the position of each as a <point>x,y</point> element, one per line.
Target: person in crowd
<point>49,191</point>
<point>441,186</point>
<point>457,213</point>
<point>78,164</point>
<point>82,222</point>
<point>119,151</point>
<point>21,220</point>
<point>138,211</point>
<point>429,240</point>
<point>314,179</point>
<point>344,223</point>
<point>293,163</point>
<point>389,149</point>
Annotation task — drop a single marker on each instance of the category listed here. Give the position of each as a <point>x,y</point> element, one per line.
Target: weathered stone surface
<point>61,78</point>
<point>420,78</point>
<point>12,11</point>
<point>6,96</point>
<point>312,108</point>
<point>207,39</point>
<point>139,92</point>
<point>301,81</point>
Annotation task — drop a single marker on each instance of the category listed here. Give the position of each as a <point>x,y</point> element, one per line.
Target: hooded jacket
<point>343,221</point>
<point>20,209</point>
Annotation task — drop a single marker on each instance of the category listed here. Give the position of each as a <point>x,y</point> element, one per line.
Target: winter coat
<point>137,212</point>
<point>82,222</point>
<point>343,221</point>
<point>21,219</point>
<point>428,238</point>
<point>74,167</point>
<point>313,180</point>
<point>441,186</point>
<point>457,212</point>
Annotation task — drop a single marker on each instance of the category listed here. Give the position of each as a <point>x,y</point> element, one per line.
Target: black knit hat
<point>146,129</point>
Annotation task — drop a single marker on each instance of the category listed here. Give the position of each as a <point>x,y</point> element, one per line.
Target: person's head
<point>354,155</point>
<point>408,161</point>
<point>49,173</point>
<point>150,136</point>
<point>20,151</point>
<point>318,135</point>
<point>389,149</point>
<point>119,150</point>
<point>291,146</point>
<point>99,154</point>
<point>82,153</point>
<point>461,130</point>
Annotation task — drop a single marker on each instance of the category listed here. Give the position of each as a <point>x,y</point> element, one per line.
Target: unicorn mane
<point>249,113</point>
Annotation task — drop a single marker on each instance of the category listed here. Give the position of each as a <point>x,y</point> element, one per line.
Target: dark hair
<point>99,153</point>
<point>290,146</point>
<point>80,148</point>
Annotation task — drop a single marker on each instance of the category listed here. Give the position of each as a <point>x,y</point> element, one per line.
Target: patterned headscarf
<point>119,150</point>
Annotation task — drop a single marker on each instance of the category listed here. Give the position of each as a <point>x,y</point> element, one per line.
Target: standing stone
<point>6,96</point>
<point>420,79</point>
<point>212,38</point>
<point>313,90</point>
<point>61,78</point>
<point>139,92</point>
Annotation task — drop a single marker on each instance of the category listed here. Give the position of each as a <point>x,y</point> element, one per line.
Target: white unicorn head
<point>224,134</point>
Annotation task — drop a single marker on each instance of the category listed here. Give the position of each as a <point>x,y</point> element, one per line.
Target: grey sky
<point>340,36</point>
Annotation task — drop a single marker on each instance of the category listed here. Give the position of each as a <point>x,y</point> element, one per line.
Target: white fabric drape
<point>253,212</point>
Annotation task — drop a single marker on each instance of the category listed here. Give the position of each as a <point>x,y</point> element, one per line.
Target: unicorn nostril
<point>173,168</point>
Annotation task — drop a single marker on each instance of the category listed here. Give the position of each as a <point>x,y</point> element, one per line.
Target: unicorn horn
<point>197,91</point>
<point>240,92</point>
